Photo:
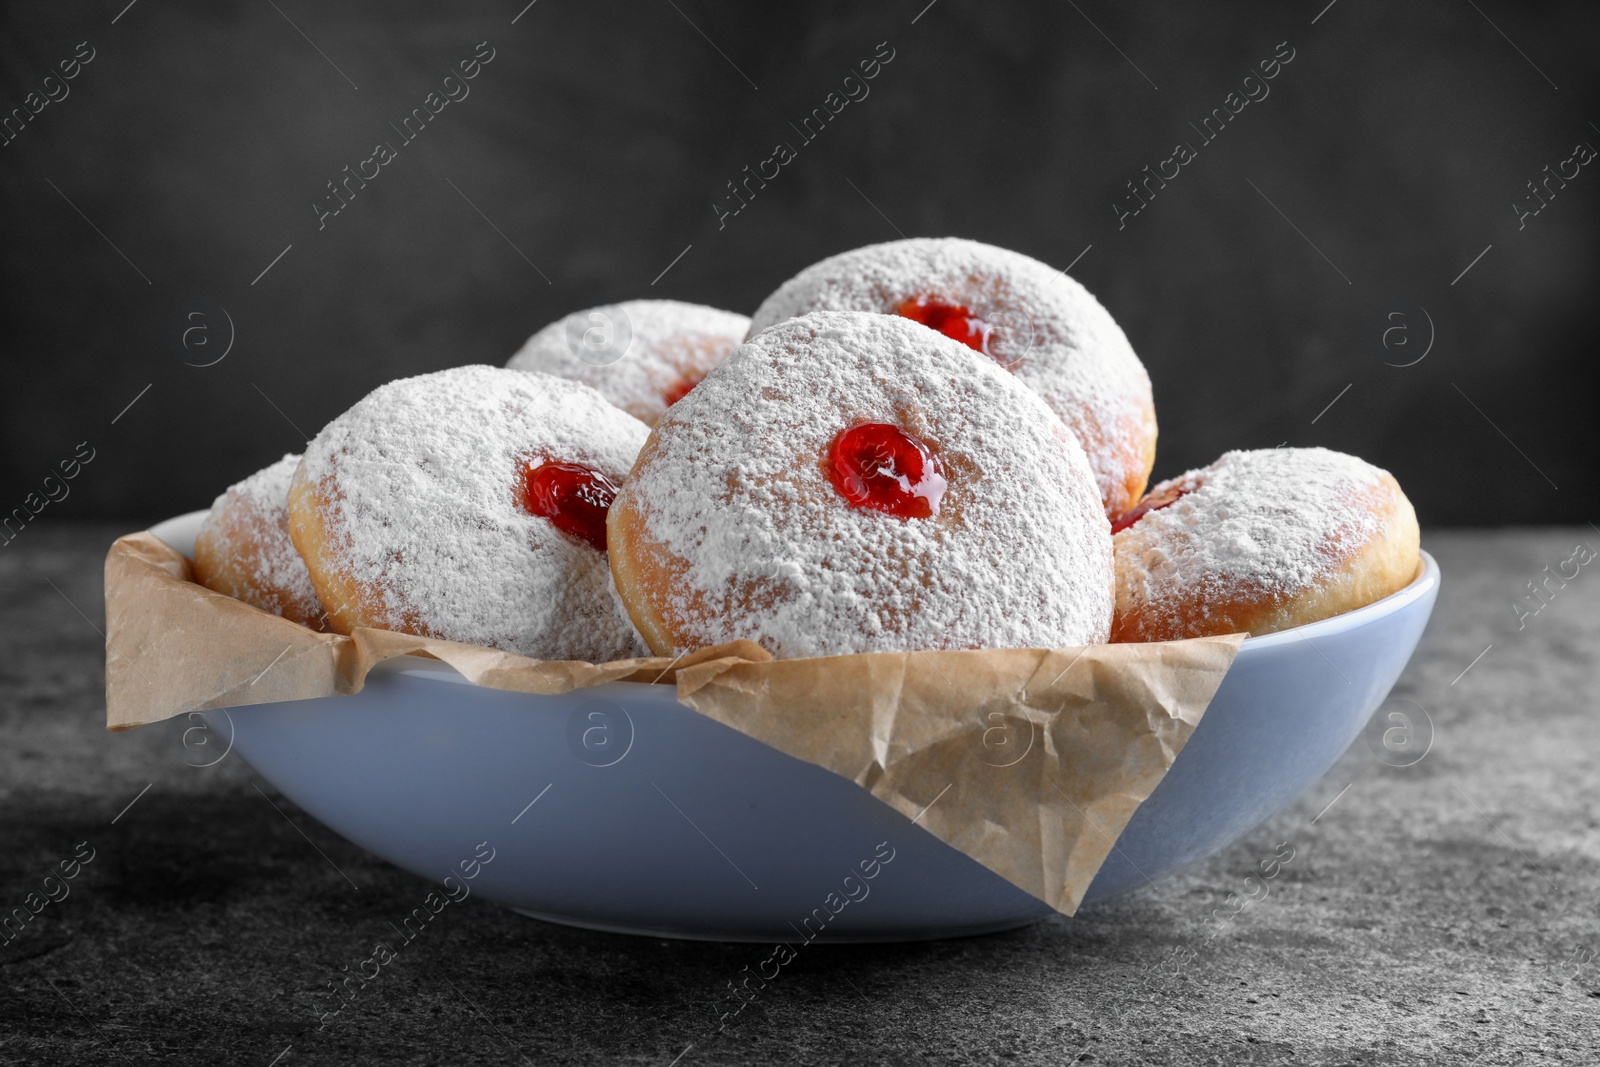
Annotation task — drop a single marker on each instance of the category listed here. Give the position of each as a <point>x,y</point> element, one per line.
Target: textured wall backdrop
<point>1391,152</point>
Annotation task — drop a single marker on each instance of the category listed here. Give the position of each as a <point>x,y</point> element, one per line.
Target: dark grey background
<point>600,135</point>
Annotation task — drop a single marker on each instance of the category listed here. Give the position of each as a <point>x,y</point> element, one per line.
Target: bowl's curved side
<point>617,808</point>
<point>1286,711</point>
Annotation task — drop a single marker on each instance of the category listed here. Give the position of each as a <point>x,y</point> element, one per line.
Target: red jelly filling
<point>679,390</point>
<point>573,497</point>
<point>1152,502</point>
<point>879,466</point>
<point>952,320</point>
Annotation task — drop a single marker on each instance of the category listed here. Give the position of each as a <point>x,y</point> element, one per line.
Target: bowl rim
<point>1425,582</point>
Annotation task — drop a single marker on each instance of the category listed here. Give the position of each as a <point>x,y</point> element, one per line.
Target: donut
<point>1261,541</point>
<point>243,548</point>
<point>1030,318</point>
<point>849,482</point>
<point>469,505</point>
<point>643,355</point>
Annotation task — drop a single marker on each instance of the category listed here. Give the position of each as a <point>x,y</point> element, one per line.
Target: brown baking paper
<point>1030,761</point>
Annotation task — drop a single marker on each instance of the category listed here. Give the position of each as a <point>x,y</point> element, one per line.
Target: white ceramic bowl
<point>618,808</point>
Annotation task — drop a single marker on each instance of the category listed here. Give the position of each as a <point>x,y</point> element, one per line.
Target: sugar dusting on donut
<point>253,514</point>
<point>278,566</point>
<point>1044,326</point>
<point>422,478</point>
<point>1267,524</point>
<point>735,482</point>
<point>671,345</point>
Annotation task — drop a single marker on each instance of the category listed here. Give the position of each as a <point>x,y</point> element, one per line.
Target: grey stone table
<point>1442,912</point>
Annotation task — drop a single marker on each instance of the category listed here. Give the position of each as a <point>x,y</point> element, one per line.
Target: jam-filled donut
<point>642,355</point>
<point>243,548</point>
<point>470,505</point>
<point>1030,318</point>
<point>1261,541</point>
<point>850,482</point>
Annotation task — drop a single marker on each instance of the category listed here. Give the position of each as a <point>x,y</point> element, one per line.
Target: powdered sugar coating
<point>1052,334</point>
<point>253,515</point>
<point>421,483</point>
<point>672,344</point>
<point>733,483</point>
<point>1260,525</point>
